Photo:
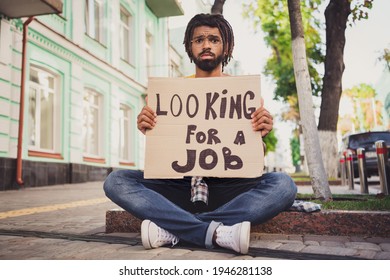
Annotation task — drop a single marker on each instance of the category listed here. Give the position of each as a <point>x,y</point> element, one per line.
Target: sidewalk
<point>68,222</point>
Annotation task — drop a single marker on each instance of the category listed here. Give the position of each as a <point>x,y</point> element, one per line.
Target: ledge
<point>309,183</point>
<point>339,223</point>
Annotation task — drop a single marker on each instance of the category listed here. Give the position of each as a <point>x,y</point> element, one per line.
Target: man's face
<point>207,47</point>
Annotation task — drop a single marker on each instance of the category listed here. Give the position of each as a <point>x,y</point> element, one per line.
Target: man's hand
<point>262,120</point>
<point>146,119</point>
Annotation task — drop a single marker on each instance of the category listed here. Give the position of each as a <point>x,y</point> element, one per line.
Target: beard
<point>207,64</point>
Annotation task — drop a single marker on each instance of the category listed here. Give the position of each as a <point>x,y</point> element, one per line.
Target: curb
<point>325,222</point>
<point>309,183</point>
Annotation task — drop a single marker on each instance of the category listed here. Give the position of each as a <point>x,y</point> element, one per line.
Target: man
<point>170,208</point>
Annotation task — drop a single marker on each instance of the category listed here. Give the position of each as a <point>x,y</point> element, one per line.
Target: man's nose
<point>206,43</point>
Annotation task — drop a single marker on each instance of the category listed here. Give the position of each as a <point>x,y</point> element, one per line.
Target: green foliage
<point>360,9</point>
<point>271,16</point>
<point>295,151</point>
<point>360,91</point>
<point>270,141</point>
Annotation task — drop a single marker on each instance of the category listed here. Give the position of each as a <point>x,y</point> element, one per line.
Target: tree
<point>318,176</point>
<point>217,7</point>
<point>336,15</point>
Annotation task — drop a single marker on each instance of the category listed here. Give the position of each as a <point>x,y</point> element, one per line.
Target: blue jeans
<point>167,203</point>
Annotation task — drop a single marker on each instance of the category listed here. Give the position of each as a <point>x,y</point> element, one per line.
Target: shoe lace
<point>165,237</point>
<point>225,236</point>
<point>234,237</point>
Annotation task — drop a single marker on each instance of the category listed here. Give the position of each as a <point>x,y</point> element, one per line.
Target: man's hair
<point>211,20</point>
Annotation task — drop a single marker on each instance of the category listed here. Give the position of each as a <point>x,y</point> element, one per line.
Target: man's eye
<point>214,41</point>
<point>199,41</point>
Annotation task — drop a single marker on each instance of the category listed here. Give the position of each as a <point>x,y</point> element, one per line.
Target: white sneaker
<point>153,236</point>
<point>236,237</point>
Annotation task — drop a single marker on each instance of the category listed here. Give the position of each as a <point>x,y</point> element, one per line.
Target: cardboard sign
<point>204,128</point>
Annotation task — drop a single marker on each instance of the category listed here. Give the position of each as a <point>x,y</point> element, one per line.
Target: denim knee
<point>109,183</point>
<point>284,184</point>
<point>116,179</point>
<point>288,185</point>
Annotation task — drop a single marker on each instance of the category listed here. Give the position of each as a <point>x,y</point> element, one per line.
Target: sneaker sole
<point>145,234</point>
<point>245,233</point>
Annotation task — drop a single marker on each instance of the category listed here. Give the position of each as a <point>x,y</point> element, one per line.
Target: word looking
<point>215,102</point>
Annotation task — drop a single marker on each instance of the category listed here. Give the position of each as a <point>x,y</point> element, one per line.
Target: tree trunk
<point>318,176</point>
<point>217,7</point>
<point>336,15</point>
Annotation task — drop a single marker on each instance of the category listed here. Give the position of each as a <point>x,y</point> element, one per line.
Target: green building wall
<point>58,43</point>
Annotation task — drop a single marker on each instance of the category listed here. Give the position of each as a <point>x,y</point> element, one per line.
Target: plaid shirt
<point>199,190</point>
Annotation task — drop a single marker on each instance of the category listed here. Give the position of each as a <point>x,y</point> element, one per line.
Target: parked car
<point>367,141</point>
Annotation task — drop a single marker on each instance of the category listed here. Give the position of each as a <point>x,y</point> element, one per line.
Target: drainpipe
<point>19,179</point>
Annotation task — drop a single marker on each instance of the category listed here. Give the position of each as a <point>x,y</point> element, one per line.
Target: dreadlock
<point>211,20</point>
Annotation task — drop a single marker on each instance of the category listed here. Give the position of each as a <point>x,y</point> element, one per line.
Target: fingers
<point>146,119</point>
<point>261,102</point>
<point>262,121</point>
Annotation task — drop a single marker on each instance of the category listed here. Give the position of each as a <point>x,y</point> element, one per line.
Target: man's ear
<point>225,53</point>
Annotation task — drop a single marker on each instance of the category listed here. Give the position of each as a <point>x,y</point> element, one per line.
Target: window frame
<point>88,153</point>
<point>36,149</point>
<point>126,48</point>
<point>94,26</point>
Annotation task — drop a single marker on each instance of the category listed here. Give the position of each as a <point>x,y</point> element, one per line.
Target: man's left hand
<point>262,120</point>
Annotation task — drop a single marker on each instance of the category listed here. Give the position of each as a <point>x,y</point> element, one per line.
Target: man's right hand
<point>146,119</point>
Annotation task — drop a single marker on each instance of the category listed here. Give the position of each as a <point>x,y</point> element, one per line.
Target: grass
<point>304,177</point>
<point>352,202</point>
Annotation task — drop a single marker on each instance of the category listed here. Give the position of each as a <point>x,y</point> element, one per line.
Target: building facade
<point>72,106</point>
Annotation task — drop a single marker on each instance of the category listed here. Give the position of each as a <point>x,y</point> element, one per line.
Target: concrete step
<point>324,222</point>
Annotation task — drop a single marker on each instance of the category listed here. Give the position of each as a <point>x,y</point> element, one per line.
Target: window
<point>125,135</point>
<point>94,20</point>
<point>92,124</point>
<point>126,33</point>
<point>43,121</point>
